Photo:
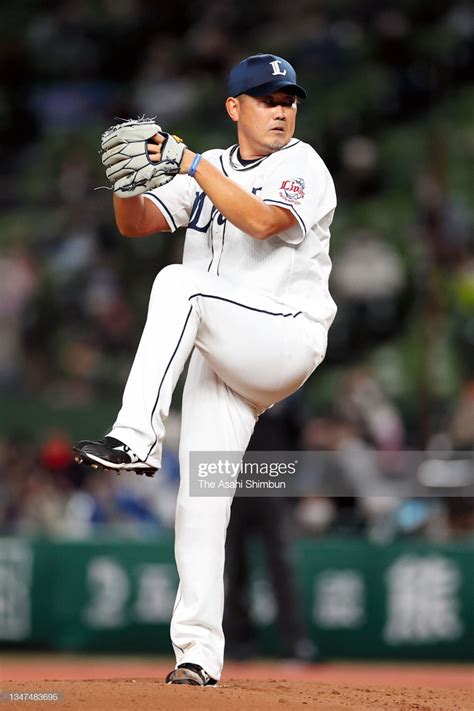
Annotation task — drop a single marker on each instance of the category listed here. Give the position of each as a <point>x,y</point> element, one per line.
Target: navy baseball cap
<point>262,74</point>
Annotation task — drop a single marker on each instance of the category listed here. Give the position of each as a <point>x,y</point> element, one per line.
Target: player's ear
<point>232,106</point>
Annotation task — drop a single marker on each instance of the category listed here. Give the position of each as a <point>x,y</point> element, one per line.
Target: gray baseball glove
<point>124,151</point>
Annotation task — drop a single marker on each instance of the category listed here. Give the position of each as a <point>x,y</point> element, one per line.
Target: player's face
<point>265,123</point>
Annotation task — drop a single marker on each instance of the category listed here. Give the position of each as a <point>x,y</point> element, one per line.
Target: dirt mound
<point>238,695</point>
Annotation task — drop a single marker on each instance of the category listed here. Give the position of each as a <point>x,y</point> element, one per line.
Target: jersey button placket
<point>216,239</point>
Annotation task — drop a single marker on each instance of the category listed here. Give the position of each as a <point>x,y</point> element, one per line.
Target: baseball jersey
<point>292,267</point>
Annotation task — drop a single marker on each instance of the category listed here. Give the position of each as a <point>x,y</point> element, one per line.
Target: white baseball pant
<point>248,352</point>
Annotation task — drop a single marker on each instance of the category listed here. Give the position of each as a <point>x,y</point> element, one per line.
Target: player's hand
<point>154,151</point>
<point>154,147</point>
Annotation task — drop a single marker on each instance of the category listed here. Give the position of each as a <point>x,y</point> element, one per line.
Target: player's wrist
<point>187,161</point>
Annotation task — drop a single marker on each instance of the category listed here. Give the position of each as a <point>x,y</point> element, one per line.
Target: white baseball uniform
<point>254,314</point>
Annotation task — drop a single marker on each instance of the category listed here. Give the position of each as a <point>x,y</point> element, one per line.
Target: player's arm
<point>138,217</point>
<point>246,211</point>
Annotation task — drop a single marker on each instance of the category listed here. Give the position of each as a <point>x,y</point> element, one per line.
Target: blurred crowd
<point>359,480</point>
<point>389,109</point>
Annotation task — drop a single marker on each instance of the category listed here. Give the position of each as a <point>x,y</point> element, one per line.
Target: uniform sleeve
<point>174,200</point>
<point>299,181</point>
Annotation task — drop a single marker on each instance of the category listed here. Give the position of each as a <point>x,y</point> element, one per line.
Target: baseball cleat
<point>110,453</point>
<point>190,675</point>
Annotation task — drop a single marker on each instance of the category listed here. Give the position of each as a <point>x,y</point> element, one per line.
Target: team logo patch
<point>292,190</point>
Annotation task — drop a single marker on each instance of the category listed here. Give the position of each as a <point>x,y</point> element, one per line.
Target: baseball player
<point>250,306</point>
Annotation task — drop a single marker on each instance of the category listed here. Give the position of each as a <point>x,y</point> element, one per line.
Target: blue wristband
<point>194,164</point>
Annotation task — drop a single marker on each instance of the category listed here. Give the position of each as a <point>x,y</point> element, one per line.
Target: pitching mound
<point>116,685</point>
<point>238,695</point>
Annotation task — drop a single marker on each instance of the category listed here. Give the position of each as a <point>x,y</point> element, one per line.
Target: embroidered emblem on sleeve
<point>292,191</point>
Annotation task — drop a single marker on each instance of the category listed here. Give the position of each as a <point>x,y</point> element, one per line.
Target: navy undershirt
<point>242,161</point>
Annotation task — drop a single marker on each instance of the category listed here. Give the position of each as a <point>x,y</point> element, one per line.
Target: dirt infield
<point>116,684</point>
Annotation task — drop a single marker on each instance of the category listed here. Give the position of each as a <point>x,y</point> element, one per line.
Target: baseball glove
<point>124,151</point>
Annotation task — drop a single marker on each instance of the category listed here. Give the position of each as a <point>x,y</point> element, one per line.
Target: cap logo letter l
<point>277,71</point>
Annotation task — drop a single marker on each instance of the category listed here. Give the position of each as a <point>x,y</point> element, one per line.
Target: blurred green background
<point>390,110</point>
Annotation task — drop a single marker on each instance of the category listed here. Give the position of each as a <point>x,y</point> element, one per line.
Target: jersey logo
<point>292,190</point>
<point>277,70</point>
<point>202,214</point>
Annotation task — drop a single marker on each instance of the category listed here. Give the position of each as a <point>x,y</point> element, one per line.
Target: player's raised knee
<point>170,277</point>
